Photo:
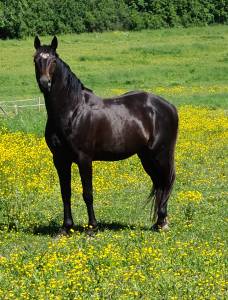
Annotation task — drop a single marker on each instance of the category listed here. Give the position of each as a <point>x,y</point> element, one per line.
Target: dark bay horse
<point>82,127</point>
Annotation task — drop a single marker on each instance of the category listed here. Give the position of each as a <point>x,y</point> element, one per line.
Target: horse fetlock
<point>161,225</point>
<point>68,225</point>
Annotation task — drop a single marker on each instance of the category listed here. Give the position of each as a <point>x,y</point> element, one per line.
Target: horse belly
<point>111,156</point>
<point>121,145</point>
<point>121,132</point>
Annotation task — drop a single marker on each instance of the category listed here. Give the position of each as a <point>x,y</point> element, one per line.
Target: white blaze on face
<point>44,55</point>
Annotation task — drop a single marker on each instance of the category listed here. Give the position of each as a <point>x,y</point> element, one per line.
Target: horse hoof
<point>165,227</point>
<point>66,231</point>
<point>155,228</point>
<point>92,230</point>
<point>160,227</point>
<point>63,232</point>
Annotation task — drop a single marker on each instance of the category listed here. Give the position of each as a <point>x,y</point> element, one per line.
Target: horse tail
<point>160,193</point>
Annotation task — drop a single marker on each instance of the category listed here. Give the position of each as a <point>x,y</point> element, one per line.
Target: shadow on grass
<point>53,228</point>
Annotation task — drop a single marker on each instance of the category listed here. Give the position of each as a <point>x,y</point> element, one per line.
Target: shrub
<point>27,17</point>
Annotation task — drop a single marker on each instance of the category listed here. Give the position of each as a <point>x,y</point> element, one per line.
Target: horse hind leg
<point>161,170</point>
<point>162,190</point>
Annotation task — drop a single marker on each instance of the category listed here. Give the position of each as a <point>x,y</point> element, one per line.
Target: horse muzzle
<point>45,82</point>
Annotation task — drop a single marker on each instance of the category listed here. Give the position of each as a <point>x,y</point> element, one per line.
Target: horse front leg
<point>63,168</point>
<point>85,170</point>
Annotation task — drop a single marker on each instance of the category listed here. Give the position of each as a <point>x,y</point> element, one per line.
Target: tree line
<point>21,18</point>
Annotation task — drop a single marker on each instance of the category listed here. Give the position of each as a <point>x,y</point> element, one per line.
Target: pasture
<point>125,260</point>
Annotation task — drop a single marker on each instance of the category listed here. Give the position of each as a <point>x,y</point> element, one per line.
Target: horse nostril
<point>45,82</point>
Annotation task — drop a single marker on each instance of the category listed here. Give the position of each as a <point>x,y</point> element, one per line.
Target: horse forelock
<point>44,55</point>
<point>45,52</point>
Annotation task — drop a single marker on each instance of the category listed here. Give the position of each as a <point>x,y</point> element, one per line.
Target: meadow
<point>125,259</point>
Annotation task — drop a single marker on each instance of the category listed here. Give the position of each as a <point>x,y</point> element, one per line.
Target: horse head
<point>45,60</point>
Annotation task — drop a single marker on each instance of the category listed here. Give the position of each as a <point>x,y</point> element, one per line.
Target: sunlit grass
<point>163,61</point>
<point>125,260</point>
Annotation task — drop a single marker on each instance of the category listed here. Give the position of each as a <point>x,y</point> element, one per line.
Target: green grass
<point>125,260</point>
<point>127,60</point>
<point>193,60</point>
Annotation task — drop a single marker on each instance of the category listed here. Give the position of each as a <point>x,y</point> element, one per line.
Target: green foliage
<point>26,17</point>
<point>68,16</point>
<point>165,13</point>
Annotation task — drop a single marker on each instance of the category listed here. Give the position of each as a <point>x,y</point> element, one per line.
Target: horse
<point>82,127</point>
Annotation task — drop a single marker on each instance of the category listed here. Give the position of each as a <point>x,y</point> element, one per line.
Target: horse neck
<point>66,93</point>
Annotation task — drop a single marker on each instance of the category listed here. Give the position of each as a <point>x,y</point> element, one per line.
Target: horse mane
<point>72,82</point>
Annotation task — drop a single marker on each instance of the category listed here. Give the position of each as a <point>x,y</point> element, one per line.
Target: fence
<point>12,107</point>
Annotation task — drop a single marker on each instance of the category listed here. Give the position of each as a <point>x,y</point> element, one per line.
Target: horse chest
<point>56,140</point>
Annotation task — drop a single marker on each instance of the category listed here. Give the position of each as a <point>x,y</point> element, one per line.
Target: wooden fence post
<point>16,109</point>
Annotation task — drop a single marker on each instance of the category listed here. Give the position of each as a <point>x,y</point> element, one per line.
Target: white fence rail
<point>9,107</point>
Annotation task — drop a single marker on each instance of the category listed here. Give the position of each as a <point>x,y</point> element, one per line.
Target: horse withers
<point>81,128</point>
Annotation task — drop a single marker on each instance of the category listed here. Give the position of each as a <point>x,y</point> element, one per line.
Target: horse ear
<point>37,42</point>
<point>54,43</point>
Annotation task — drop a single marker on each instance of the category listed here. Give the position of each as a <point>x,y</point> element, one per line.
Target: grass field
<point>125,260</point>
<point>187,65</point>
